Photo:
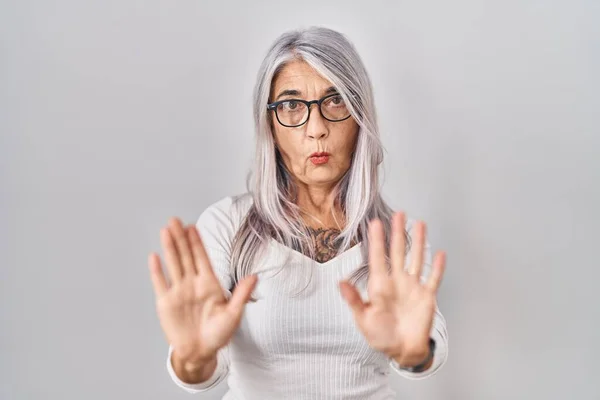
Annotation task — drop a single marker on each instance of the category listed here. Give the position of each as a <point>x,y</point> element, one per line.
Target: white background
<point>116,115</point>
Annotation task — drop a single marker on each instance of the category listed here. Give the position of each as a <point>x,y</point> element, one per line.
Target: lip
<point>319,158</point>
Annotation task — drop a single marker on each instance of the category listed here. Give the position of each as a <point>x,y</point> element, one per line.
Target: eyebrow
<point>295,92</point>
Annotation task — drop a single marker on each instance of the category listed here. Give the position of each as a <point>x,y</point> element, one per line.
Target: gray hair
<point>274,213</point>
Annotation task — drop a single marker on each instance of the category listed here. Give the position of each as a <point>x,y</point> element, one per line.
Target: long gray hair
<point>274,213</point>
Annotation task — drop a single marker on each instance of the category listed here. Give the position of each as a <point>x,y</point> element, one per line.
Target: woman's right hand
<point>196,317</point>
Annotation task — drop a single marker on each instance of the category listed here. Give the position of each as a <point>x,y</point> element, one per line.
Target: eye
<point>291,106</point>
<point>337,99</point>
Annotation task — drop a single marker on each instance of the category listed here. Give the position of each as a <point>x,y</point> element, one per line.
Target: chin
<point>323,177</point>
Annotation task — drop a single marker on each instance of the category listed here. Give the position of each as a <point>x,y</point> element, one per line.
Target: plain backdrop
<point>116,115</point>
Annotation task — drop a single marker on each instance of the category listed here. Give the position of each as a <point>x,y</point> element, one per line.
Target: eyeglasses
<point>294,112</point>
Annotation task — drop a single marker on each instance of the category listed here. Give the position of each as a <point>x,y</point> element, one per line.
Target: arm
<point>438,333</point>
<point>193,373</point>
<point>216,230</point>
<point>195,379</point>
<point>440,356</point>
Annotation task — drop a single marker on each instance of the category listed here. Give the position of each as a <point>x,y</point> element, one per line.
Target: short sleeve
<point>438,333</point>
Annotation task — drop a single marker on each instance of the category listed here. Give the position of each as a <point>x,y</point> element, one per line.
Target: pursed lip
<point>319,154</point>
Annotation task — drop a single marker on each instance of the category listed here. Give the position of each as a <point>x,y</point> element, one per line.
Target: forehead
<point>299,75</point>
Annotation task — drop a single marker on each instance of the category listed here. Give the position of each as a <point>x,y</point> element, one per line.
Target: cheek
<point>289,145</point>
<point>347,140</point>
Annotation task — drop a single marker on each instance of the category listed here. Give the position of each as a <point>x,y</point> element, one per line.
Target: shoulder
<point>219,222</point>
<point>230,209</point>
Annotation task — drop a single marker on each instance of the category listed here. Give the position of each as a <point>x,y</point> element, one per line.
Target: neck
<point>318,206</point>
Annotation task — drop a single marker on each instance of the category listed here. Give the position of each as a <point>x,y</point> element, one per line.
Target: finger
<point>397,246</point>
<point>183,247</point>
<point>378,272</point>
<point>352,297</point>
<point>159,282</point>
<point>171,256</point>
<point>201,259</point>
<point>418,252</point>
<point>241,295</point>
<point>437,271</point>
<point>188,231</point>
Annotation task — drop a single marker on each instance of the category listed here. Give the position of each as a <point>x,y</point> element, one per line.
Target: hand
<point>193,311</point>
<point>398,317</point>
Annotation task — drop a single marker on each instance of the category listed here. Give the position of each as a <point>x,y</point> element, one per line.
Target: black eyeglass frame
<point>273,107</point>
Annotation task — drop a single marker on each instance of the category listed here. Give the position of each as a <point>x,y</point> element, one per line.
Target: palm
<point>194,313</point>
<point>398,317</point>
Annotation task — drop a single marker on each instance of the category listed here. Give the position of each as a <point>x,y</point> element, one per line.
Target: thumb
<point>241,294</point>
<point>352,297</point>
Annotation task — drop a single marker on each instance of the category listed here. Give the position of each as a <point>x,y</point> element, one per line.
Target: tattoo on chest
<point>326,247</point>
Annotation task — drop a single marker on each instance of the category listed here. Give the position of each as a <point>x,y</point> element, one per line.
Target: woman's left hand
<point>398,317</point>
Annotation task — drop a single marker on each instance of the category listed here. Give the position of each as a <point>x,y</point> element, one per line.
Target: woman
<point>256,288</point>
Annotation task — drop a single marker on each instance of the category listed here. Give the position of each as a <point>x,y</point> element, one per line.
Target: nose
<point>316,126</point>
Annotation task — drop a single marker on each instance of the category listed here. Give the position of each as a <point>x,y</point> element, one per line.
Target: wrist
<point>192,364</point>
<point>193,372</point>
<point>417,361</point>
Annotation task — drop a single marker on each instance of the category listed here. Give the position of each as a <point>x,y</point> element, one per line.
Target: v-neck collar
<point>352,249</point>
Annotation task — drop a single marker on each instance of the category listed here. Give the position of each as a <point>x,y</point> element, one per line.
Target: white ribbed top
<point>299,339</point>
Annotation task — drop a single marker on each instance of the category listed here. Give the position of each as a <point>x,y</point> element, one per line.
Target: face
<point>298,80</point>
